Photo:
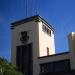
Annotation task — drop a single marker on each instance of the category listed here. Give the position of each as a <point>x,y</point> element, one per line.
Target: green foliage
<point>7,68</point>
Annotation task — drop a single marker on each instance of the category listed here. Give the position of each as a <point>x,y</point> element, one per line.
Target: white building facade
<point>33,48</point>
<point>34,36</point>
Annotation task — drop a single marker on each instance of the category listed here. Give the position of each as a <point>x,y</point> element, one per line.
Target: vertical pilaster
<point>71,39</point>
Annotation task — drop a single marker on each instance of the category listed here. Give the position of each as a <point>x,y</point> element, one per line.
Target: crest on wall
<point>24,37</point>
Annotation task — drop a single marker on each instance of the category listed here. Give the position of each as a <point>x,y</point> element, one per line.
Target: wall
<point>32,28</point>
<point>53,58</point>
<point>71,39</point>
<point>45,41</point>
<point>39,39</point>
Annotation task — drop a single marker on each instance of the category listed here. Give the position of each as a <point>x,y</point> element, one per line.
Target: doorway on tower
<point>24,59</point>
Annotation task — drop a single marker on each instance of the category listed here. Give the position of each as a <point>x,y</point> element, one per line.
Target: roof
<point>54,55</point>
<point>37,18</point>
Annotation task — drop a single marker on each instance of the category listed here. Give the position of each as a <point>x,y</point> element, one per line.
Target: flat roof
<point>35,17</point>
<point>54,55</point>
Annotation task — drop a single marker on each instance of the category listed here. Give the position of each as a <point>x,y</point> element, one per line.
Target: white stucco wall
<point>17,34</point>
<point>39,39</point>
<point>54,58</point>
<point>32,27</point>
<point>45,41</point>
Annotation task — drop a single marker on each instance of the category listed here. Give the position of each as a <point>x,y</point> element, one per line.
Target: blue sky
<point>59,13</point>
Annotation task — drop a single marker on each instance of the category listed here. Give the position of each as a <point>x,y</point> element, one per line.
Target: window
<point>50,32</point>
<point>24,58</point>
<point>61,66</point>
<point>46,67</point>
<point>46,29</point>
<point>58,66</point>
<point>47,51</point>
<point>43,27</point>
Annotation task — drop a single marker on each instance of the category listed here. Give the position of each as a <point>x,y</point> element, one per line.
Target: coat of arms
<point>24,37</point>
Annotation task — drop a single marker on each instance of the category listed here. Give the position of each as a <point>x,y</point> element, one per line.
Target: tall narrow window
<point>43,27</point>
<point>50,32</point>
<point>47,51</point>
<point>47,31</point>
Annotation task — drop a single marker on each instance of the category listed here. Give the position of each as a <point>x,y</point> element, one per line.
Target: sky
<point>59,13</point>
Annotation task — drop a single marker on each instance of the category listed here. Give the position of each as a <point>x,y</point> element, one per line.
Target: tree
<point>6,68</point>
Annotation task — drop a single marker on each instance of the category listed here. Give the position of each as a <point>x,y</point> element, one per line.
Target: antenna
<point>37,1</point>
<point>26,8</point>
<point>29,5</point>
<point>31,8</point>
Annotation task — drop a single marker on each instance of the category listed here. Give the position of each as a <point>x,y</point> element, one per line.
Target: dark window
<point>46,29</point>
<point>50,32</point>
<point>47,51</point>
<point>45,68</point>
<point>24,59</point>
<point>58,66</point>
<point>61,66</point>
<point>43,27</point>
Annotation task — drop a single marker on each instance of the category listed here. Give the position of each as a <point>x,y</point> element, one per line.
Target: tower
<point>32,37</point>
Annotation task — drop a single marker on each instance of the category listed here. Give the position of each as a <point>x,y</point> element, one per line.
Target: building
<point>33,48</point>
